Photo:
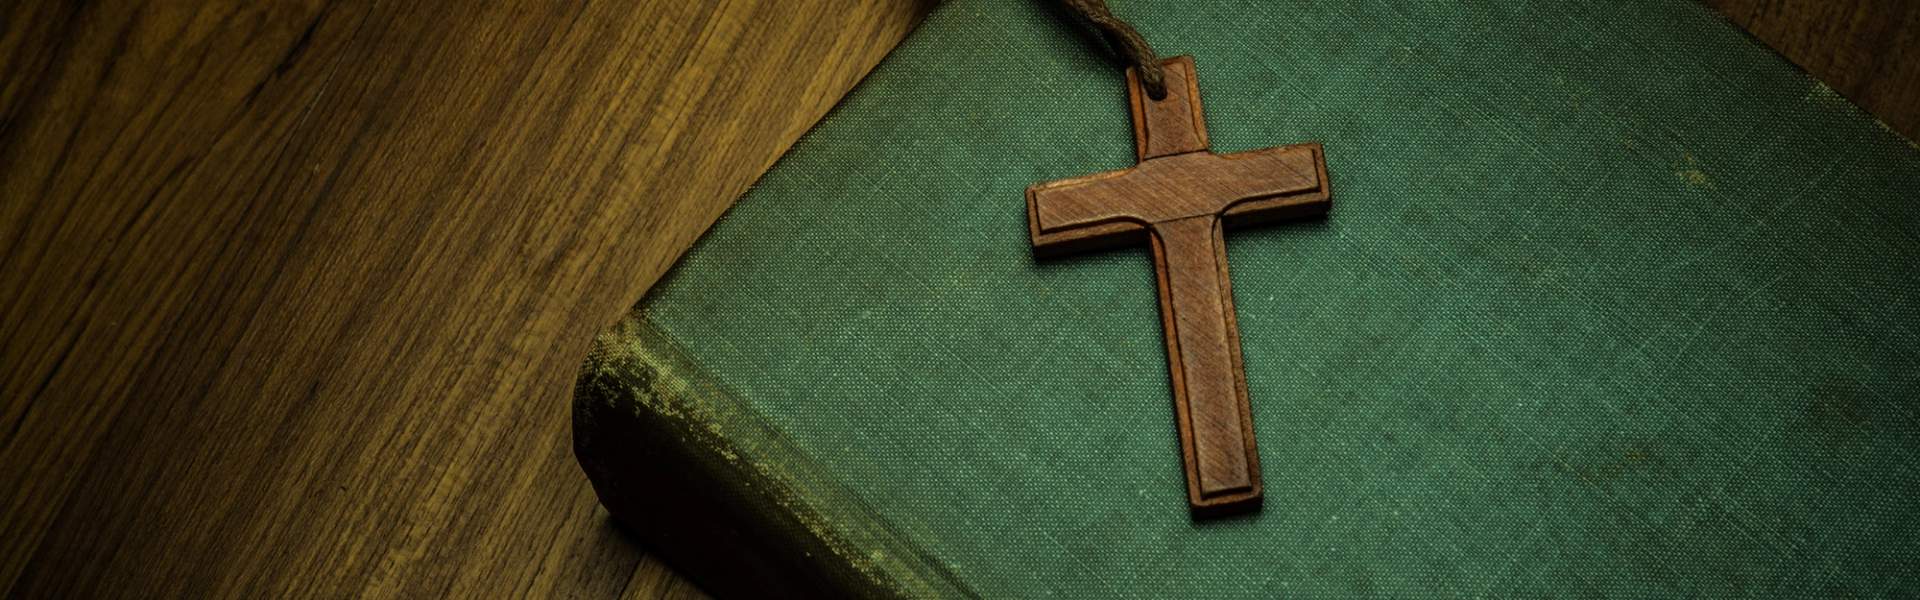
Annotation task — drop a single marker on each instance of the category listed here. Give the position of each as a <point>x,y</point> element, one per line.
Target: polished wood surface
<point>1867,50</point>
<point>294,291</point>
<point>1179,198</point>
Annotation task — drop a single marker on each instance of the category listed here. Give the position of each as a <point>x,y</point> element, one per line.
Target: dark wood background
<point>293,290</point>
<point>1868,50</point>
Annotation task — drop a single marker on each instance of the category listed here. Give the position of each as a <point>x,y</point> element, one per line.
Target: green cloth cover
<point>1612,302</point>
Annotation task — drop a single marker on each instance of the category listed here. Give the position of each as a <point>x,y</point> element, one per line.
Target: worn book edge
<point>719,493</point>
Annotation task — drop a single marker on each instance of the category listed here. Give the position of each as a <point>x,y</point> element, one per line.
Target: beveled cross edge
<point>1222,463</point>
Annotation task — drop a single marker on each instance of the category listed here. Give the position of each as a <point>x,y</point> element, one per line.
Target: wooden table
<point>294,291</point>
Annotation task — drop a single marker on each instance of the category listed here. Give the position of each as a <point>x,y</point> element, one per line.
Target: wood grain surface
<point>294,291</point>
<point>1868,50</point>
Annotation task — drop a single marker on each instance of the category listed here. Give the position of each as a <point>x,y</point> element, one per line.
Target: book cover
<point>1612,301</point>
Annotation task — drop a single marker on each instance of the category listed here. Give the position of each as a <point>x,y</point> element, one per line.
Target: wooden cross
<point>1180,197</point>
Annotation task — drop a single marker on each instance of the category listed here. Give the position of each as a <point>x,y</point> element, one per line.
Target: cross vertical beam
<point>1180,198</point>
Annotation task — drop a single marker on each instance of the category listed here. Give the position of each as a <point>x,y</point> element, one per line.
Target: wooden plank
<point>1867,50</point>
<point>293,291</point>
<point>652,579</point>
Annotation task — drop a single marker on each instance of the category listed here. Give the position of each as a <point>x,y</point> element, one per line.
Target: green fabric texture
<point>1612,301</point>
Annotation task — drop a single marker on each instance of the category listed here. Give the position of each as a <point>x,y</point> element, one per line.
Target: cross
<point>1180,197</point>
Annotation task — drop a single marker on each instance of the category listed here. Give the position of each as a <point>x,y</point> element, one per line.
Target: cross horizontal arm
<point>1114,207</point>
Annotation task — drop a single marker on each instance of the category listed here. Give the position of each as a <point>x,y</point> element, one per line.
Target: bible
<point>1616,302</point>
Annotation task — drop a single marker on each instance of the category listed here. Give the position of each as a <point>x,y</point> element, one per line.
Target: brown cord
<point>1126,40</point>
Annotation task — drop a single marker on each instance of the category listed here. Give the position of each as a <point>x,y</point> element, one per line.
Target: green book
<point>1612,301</point>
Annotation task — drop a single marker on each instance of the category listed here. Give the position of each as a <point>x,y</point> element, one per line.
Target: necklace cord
<point>1126,40</point>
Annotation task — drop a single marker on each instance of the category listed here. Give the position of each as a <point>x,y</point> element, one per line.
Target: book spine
<point>720,495</point>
